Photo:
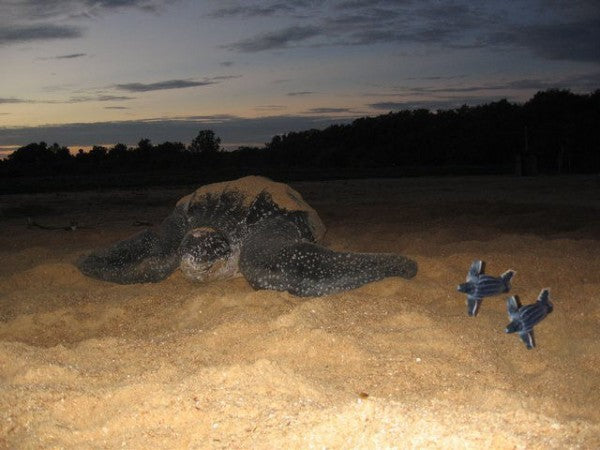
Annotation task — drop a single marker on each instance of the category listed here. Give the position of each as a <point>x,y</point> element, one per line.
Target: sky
<point>98,72</point>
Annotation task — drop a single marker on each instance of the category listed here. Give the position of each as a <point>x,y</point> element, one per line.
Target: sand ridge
<point>397,363</point>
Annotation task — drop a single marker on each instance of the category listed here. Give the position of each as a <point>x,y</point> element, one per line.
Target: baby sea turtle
<point>252,227</point>
<point>479,285</point>
<point>524,318</point>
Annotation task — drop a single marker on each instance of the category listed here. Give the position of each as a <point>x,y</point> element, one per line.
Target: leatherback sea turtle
<point>253,227</point>
<point>524,318</point>
<point>479,285</point>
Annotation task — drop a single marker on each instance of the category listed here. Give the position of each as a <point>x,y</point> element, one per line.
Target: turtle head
<point>207,255</point>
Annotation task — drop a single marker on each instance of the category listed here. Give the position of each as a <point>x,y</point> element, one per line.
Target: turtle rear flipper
<point>527,338</point>
<point>272,260</point>
<point>473,304</point>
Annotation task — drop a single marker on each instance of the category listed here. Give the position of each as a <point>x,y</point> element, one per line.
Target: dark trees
<point>556,131</point>
<point>205,142</point>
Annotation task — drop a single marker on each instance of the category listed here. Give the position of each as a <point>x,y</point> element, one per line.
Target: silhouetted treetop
<point>205,142</point>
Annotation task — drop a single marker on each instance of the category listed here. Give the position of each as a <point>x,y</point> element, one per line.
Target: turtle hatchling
<point>251,227</point>
<point>524,318</point>
<point>479,285</point>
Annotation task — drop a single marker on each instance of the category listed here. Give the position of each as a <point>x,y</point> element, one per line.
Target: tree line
<point>556,131</point>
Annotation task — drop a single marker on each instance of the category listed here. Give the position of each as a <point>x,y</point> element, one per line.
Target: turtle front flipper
<point>273,259</point>
<point>147,257</point>
<point>139,259</point>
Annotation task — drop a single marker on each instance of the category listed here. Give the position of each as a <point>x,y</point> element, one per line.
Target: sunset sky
<point>84,72</point>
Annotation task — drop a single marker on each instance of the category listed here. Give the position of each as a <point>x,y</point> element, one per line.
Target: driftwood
<point>71,227</point>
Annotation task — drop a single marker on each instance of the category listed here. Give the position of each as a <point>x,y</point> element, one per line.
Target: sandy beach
<point>396,363</point>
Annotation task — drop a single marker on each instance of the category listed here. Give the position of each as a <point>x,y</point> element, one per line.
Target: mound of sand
<point>397,363</point>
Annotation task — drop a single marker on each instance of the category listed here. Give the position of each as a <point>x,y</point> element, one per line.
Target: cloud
<point>60,57</point>
<point>269,107</point>
<point>99,98</point>
<point>233,130</point>
<point>140,4</point>
<point>116,107</point>
<point>25,33</point>
<point>574,41</point>
<point>71,56</point>
<point>224,77</point>
<point>52,9</point>
<point>41,20</point>
<point>328,110</point>
<point>554,30</point>
<point>275,40</point>
<point>432,105</point>
<point>4,101</point>
<point>297,94</point>
<point>444,96</point>
<point>451,97</point>
<point>163,85</point>
<point>250,11</point>
<point>366,23</point>
<point>78,99</point>
<point>354,4</point>
<point>438,77</point>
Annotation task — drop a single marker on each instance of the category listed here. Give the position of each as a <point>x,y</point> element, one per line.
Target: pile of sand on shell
<point>397,363</point>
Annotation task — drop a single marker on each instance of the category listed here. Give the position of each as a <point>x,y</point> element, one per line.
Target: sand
<point>397,363</point>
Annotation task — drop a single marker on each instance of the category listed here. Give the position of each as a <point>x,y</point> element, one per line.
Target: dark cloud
<point>71,56</point>
<point>354,4</point>
<point>583,82</point>
<point>517,88</point>
<point>59,57</point>
<point>232,129</point>
<point>551,29</point>
<point>300,93</point>
<point>328,110</point>
<point>227,63</point>
<point>141,4</point>
<point>575,41</point>
<point>40,20</point>
<point>49,9</point>
<point>4,101</point>
<point>162,85</point>
<point>437,77</point>
<point>270,107</point>
<point>275,40</point>
<point>251,11</point>
<point>76,99</point>
<point>262,8</point>
<point>450,97</point>
<point>433,105</point>
<point>225,77</point>
<point>116,107</point>
<point>99,98</point>
<point>25,33</point>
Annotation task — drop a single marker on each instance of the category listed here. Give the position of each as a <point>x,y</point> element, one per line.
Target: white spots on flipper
<point>307,269</point>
